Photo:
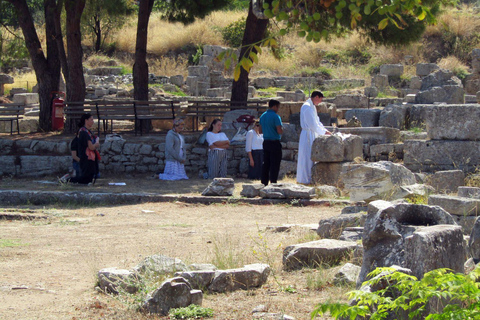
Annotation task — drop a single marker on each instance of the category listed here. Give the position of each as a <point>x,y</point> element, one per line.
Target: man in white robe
<point>311,129</point>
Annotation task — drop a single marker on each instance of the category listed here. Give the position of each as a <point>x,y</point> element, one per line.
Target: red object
<point>58,103</point>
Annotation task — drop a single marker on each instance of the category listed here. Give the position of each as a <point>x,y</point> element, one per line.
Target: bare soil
<point>49,265</point>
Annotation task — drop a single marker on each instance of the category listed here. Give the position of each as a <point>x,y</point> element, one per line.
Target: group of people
<point>262,146</point>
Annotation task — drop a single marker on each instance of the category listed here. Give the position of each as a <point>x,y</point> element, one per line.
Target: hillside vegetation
<point>172,47</point>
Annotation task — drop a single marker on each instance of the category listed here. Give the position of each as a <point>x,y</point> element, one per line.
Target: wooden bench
<point>155,110</point>
<point>75,110</point>
<point>12,112</point>
<point>202,111</point>
<point>108,111</point>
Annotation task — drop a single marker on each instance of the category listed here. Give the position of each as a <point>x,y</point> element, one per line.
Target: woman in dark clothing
<point>88,146</point>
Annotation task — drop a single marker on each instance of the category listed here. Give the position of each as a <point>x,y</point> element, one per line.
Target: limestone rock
<point>250,276</point>
<point>327,148</point>
<point>332,228</point>
<point>395,70</point>
<point>367,117</point>
<point>351,101</point>
<point>434,247</point>
<point>393,116</point>
<point>474,242</point>
<point>328,191</point>
<point>173,293</point>
<point>347,274</point>
<point>424,69</point>
<point>287,191</point>
<point>220,187</point>
<point>251,190</point>
<point>352,234</point>
<point>454,205</point>
<point>374,181</point>
<point>469,192</point>
<point>200,279</point>
<point>453,122</point>
<point>112,279</point>
<point>316,253</point>
<point>326,173</point>
<point>160,264</point>
<point>386,229</point>
<point>446,181</point>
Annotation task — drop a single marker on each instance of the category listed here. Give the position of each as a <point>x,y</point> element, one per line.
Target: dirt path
<point>48,266</point>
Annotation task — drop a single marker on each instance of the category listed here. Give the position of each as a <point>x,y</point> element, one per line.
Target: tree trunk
<point>76,80</point>
<point>47,70</point>
<point>59,39</point>
<point>98,33</point>
<point>140,67</point>
<point>254,31</point>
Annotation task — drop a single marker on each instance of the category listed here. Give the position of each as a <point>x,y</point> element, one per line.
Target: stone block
<point>435,155</point>
<point>332,228</point>
<point>347,275</point>
<point>316,253</point>
<point>469,192</point>
<point>380,81</point>
<point>250,276</point>
<point>26,98</point>
<point>351,101</point>
<point>326,173</point>
<point>327,148</point>
<point>368,117</point>
<point>424,69</point>
<point>353,148</point>
<point>371,92</point>
<point>447,94</point>
<point>112,279</point>
<point>415,83</point>
<point>374,135</point>
<point>395,70</point>
<point>434,247</point>
<point>455,205</point>
<point>453,122</point>
<point>393,116</point>
<point>446,181</point>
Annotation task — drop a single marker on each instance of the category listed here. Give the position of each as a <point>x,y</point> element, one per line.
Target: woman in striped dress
<point>217,154</point>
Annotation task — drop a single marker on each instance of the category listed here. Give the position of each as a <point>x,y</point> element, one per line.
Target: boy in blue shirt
<point>272,128</point>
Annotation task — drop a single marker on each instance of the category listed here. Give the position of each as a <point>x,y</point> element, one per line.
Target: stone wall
<point>31,158</point>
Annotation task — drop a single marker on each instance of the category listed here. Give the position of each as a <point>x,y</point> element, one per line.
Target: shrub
<point>191,312</point>
<point>233,33</point>
<point>456,295</point>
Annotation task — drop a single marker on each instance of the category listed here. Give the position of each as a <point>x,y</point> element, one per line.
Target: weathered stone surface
<point>454,122</point>
<point>326,173</point>
<point>434,247</point>
<point>424,69</point>
<point>353,148</point>
<point>200,279</point>
<point>412,191</point>
<point>173,293</point>
<point>250,276</point>
<point>251,190</point>
<point>371,92</point>
<point>347,274</point>
<point>327,148</point>
<point>332,228</point>
<point>458,206</point>
<point>316,253</point>
<point>368,117</point>
<point>220,187</point>
<point>446,181</point>
<point>287,167</point>
<point>469,192</point>
<point>352,234</point>
<point>160,264</point>
<point>355,209</point>
<point>376,135</point>
<point>380,81</point>
<point>290,133</point>
<point>26,98</point>
<point>435,155</point>
<point>5,78</point>
<point>202,267</point>
<point>327,191</point>
<point>386,229</point>
<point>351,101</point>
<point>393,116</point>
<point>287,191</point>
<point>395,70</point>
<point>440,78</point>
<point>112,279</point>
<point>447,94</point>
<point>474,242</point>
<point>373,181</point>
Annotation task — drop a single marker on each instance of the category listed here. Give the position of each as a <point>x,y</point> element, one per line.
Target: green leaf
<point>316,16</point>
<point>383,24</point>
<point>339,15</point>
<point>268,13</point>
<point>422,15</point>
<point>236,72</point>
<point>266,5</point>
<point>253,56</point>
<point>367,10</point>
<point>221,56</point>
<point>227,64</point>
<point>282,32</point>
<point>259,50</point>
<point>301,34</point>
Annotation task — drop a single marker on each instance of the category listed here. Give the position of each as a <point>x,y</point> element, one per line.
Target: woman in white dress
<point>175,156</point>
<point>217,154</point>
<point>254,149</point>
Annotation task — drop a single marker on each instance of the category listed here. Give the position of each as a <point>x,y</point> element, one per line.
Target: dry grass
<point>22,80</point>
<point>452,63</point>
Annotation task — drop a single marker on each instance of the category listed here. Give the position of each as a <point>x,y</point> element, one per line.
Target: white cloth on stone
<point>311,129</point>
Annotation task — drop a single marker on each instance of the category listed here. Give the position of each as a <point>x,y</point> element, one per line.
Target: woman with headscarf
<point>175,156</point>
